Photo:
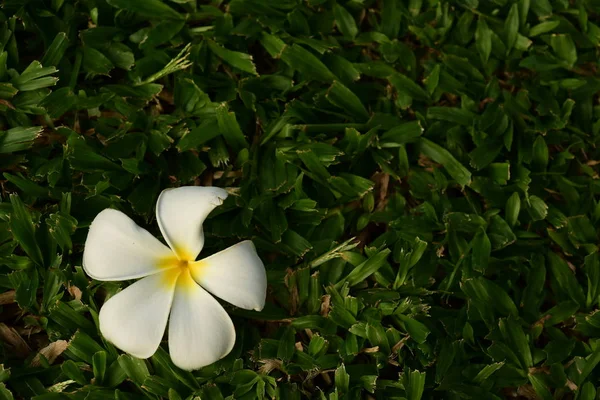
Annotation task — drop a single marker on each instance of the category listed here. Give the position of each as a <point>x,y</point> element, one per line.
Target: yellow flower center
<point>179,272</point>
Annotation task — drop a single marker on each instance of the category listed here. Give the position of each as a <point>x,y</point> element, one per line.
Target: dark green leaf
<point>445,158</point>
<point>17,139</point>
<point>149,8</point>
<point>345,21</point>
<point>407,86</point>
<point>23,230</point>
<point>230,128</point>
<point>304,61</point>
<point>340,96</point>
<point>511,27</point>
<point>483,40</point>
<point>236,59</point>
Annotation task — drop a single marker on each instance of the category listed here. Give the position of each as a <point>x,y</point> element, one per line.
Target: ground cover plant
<point>420,178</point>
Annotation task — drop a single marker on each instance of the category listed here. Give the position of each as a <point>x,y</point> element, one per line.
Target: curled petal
<point>117,249</point>
<point>200,331</point>
<point>180,213</point>
<point>236,275</point>
<point>135,319</point>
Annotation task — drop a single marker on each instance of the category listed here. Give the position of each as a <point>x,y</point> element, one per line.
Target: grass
<point>419,176</point>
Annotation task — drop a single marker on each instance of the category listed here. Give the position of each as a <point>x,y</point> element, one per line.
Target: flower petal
<point>135,319</point>
<point>180,213</point>
<point>200,331</point>
<point>236,275</point>
<point>117,249</point>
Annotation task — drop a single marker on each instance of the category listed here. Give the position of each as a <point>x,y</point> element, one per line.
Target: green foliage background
<point>419,176</point>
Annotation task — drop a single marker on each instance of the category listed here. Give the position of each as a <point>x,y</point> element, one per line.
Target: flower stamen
<point>180,272</point>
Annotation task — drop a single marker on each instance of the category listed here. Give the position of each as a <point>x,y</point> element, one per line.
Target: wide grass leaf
<point>446,159</point>
<point>148,8</point>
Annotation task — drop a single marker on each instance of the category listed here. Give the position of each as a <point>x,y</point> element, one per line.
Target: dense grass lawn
<point>420,178</point>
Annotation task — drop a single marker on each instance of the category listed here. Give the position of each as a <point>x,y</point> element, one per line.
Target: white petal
<point>135,319</point>
<point>117,249</point>
<point>180,213</point>
<point>200,331</point>
<point>236,275</point>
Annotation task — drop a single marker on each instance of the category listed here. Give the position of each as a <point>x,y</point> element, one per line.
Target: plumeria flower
<point>174,286</point>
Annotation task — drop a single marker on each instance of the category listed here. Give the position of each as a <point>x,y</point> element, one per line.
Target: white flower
<point>174,285</point>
